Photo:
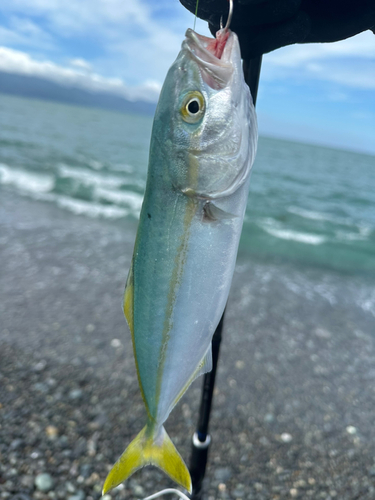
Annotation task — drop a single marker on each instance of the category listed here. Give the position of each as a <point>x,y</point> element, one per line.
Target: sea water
<point>309,206</point>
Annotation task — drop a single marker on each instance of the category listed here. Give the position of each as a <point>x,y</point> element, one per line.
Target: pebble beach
<point>294,403</point>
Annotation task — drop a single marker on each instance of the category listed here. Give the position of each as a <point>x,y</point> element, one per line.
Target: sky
<point>319,93</point>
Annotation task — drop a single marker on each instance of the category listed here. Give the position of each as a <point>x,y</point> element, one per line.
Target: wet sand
<point>294,404</point>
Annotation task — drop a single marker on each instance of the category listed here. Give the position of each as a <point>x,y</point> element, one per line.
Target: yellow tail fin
<point>149,450</point>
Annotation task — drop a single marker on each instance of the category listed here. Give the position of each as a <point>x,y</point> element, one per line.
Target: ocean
<point>310,208</point>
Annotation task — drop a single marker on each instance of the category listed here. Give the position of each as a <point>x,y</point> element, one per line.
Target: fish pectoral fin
<point>149,450</point>
<point>213,213</point>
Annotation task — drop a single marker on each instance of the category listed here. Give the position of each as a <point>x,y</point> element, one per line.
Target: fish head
<point>205,119</point>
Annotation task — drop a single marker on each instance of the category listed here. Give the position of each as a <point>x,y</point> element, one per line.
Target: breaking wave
<point>77,190</point>
<point>273,228</point>
<point>26,182</point>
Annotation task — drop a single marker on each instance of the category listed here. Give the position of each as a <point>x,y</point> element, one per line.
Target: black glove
<point>266,25</point>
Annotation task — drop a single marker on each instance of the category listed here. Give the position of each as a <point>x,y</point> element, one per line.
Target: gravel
<point>293,406</point>
<point>44,482</point>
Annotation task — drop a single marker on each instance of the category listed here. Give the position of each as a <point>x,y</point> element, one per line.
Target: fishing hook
<point>229,16</point>
<point>166,491</point>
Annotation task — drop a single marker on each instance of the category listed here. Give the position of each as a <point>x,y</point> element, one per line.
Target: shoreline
<point>294,400</point>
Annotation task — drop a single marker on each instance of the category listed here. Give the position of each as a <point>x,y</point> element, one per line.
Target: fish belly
<point>200,300</point>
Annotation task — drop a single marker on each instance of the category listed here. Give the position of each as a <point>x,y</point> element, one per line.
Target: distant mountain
<point>31,86</point>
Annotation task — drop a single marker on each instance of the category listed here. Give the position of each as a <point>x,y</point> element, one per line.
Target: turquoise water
<point>308,205</point>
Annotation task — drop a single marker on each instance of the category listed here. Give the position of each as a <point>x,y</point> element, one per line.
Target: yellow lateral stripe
<point>173,288</point>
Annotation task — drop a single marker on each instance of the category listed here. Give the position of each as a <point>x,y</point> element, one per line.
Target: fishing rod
<point>201,438</point>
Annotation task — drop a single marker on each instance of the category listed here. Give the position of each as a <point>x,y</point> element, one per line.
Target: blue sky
<point>322,93</point>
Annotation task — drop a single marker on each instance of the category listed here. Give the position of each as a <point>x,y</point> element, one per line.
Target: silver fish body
<point>202,148</point>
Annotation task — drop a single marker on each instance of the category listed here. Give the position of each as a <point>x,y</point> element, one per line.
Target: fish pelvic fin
<point>149,449</point>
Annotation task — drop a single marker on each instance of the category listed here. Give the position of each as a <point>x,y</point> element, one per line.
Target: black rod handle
<point>251,71</point>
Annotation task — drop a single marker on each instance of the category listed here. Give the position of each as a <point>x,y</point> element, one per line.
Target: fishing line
<point>196,13</point>
<point>166,492</point>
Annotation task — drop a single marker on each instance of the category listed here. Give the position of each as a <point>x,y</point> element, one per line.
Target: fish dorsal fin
<point>213,213</point>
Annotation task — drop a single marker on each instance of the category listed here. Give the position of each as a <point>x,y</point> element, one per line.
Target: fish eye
<point>193,107</point>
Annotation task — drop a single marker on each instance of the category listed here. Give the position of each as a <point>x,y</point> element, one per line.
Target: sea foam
<point>133,200</point>
<point>27,182</point>
<point>90,209</point>
<point>91,178</point>
<point>273,228</point>
<point>41,186</point>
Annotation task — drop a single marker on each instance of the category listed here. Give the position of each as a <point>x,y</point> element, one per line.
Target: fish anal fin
<point>204,366</point>
<point>213,213</point>
<point>148,449</point>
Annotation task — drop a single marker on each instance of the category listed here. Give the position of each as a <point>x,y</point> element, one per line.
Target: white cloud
<point>20,31</point>
<point>17,37</point>
<point>120,46</point>
<point>15,61</point>
<point>359,76</point>
<point>350,62</point>
<point>137,40</point>
<point>360,46</point>
<point>80,64</point>
<point>133,40</point>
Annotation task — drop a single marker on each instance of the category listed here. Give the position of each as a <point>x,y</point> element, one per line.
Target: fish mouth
<point>213,56</point>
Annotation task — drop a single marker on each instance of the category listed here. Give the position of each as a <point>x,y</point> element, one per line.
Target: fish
<point>203,145</point>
